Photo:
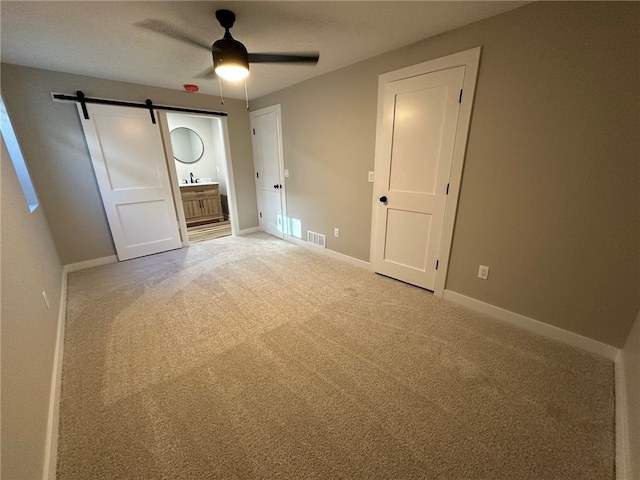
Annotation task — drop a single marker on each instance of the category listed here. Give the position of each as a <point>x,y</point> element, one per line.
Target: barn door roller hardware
<point>148,105</point>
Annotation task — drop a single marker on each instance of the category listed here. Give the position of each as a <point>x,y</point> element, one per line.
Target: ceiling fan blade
<point>164,28</point>
<point>209,73</point>
<point>284,57</point>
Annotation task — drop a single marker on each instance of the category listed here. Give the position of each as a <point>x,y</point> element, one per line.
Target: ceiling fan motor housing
<point>228,51</point>
<point>230,57</point>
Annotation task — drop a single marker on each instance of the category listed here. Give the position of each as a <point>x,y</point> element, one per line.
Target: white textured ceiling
<point>99,38</point>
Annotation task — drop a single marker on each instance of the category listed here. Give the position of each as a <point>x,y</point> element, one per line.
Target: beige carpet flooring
<point>250,357</point>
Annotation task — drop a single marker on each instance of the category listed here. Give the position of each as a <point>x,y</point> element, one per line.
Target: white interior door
<point>269,166</point>
<point>130,166</point>
<point>413,164</point>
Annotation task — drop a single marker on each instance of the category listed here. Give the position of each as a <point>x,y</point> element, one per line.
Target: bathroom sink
<point>198,183</point>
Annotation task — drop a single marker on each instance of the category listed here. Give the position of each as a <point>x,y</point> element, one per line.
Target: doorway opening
<point>201,177</point>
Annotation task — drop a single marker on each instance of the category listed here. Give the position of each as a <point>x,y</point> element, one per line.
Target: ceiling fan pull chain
<point>221,96</point>
<point>246,93</point>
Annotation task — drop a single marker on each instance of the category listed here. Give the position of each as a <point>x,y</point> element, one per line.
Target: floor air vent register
<point>315,238</point>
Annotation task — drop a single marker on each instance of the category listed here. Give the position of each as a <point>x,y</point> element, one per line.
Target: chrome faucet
<point>191,175</point>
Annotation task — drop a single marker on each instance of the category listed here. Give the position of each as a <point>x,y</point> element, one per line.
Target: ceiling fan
<point>230,57</point>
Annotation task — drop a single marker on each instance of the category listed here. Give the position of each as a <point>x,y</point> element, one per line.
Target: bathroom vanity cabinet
<point>201,203</point>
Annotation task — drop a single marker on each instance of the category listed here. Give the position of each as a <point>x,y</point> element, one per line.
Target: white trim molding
<point>51,446</point>
<point>534,326</point>
<point>249,231</point>
<point>230,179</point>
<point>329,253</point>
<point>96,262</point>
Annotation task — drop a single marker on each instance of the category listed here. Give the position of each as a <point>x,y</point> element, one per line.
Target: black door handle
<point>383,199</point>
<point>276,186</point>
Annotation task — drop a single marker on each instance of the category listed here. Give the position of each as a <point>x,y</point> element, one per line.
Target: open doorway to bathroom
<point>202,176</point>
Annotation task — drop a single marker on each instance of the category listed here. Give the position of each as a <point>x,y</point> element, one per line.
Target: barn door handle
<point>383,199</point>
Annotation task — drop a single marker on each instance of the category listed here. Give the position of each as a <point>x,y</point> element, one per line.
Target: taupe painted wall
<point>30,265</point>
<point>56,152</point>
<point>630,360</point>
<point>549,197</point>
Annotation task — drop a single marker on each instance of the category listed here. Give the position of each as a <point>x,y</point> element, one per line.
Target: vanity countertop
<point>198,184</point>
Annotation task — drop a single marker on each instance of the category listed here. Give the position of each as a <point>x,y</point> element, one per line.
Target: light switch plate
<point>370,177</point>
<point>286,172</point>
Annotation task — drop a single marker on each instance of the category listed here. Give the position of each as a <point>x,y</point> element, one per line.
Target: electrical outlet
<point>483,272</point>
<point>286,172</point>
<point>370,177</point>
<point>336,232</point>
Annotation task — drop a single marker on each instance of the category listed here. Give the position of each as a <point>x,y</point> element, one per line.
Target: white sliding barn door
<point>130,166</point>
<point>418,133</point>
<point>269,166</point>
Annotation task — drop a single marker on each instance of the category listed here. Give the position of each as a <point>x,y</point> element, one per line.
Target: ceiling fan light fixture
<point>230,59</point>
<point>232,72</point>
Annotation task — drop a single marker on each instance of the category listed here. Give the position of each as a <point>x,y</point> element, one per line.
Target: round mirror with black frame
<point>186,144</point>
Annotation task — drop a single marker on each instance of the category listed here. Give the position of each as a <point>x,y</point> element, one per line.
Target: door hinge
<point>260,214</point>
<point>437,263</point>
<point>257,175</point>
<point>460,99</point>
<point>447,189</point>
<point>254,131</point>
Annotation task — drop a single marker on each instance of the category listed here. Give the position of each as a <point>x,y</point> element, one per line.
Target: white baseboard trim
<point>248,231</point>
<point>622,440</point>
<point>534,326</point>
<point>96,262</point>
<point>329,253</point>
<point>51,446</point>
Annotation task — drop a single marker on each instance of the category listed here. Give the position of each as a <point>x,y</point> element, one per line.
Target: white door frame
<point>283,192</point>
<point>231,185</point>
<point>470,59</point>
<point>175,183</point>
